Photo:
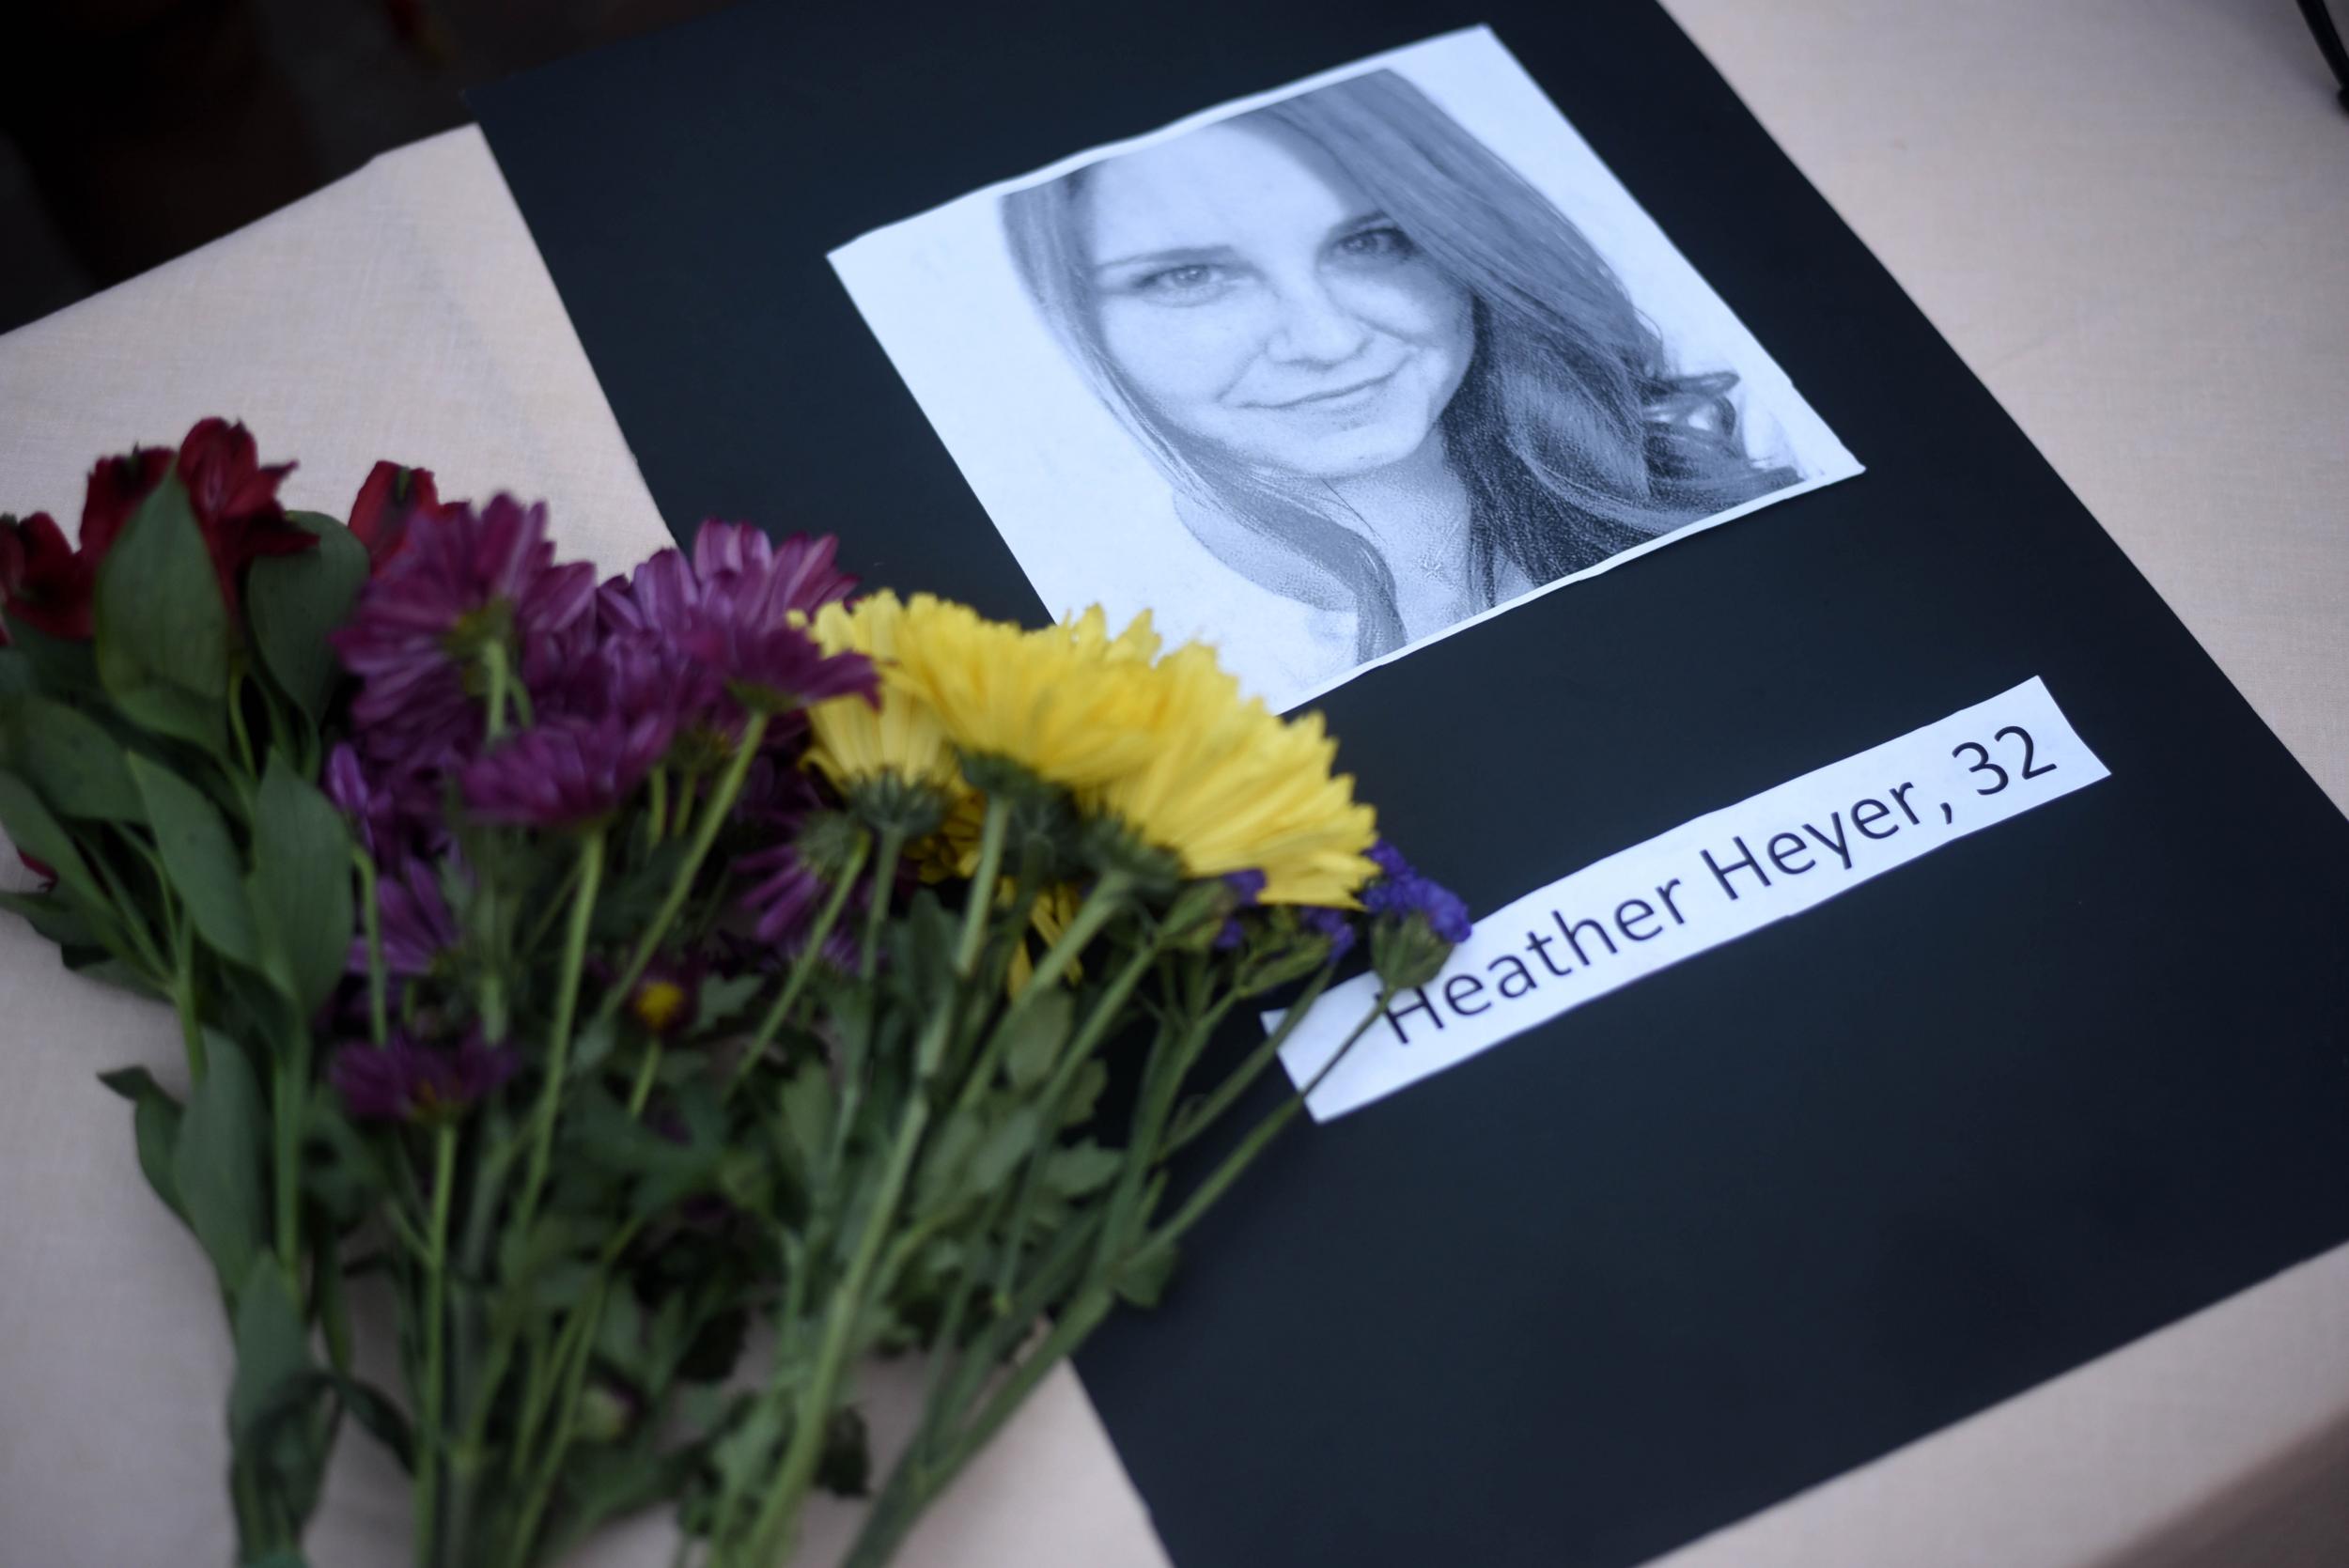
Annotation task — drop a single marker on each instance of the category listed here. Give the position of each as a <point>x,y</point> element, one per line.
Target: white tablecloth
<point>2130,216</point>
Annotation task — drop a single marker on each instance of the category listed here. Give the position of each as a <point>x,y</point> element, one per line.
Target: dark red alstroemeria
<point>235,498</point>
<point>44,582</point>
<point>233,494</point>
<point>117,485</point>
<point>393,498</point>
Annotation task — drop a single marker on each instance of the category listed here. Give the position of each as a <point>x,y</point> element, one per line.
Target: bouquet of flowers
<point>652,996</point>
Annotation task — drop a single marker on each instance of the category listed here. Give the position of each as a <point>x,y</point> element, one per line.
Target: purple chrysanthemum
<point>393,802</point>
<point>642,661</point>
<point>753,596</point>
<point>666,999</point>
<point>464,582</point>
<point>1402,891</point>
<point>784,891</point>
<point>408,1081</point>
<point>414,921</point>
<point>565,772</point>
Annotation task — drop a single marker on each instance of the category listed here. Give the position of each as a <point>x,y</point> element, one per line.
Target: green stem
<point>920,1476</point>
<point>497,679</point>
<point>1203,1196</point>
<point>658,806</point>
<point>893,844</point>
<point>641,1090</point>
<point>1073,1058</point>
<point>559,1040</point>
<point>371,921</point>
<point>982,884</point>
<point>183,1002</point>
<point>1108,895</point>
<point>236,721</point>
<point>1211,1110</point>
<point>428,1437</point>
<point>706,834</point>
<point>956,1373</point>
<point>290,1078</point>
<point>802,968</point>
<point>771,1530</point>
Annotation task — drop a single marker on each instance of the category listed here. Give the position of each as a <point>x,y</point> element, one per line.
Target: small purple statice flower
<point>1402,893</point>
<point>405,1081</point>
<point>464,580</point>
<point>1415,921</point>
<point>565,772</point>
<point>1337,925</point>
<point>1247,887</point>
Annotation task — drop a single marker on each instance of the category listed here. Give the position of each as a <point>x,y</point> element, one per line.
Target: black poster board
<point>1719,1235</point>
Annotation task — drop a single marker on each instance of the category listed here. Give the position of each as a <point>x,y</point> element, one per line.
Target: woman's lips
<point>1357,391</point>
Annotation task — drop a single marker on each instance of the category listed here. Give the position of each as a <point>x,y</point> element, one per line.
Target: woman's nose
<point>1314,327</point>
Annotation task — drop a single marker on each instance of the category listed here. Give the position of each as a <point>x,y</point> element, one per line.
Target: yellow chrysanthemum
<point>1069,703</point>
<point>1048,920</point>
<point>1229,787</point>
<point>852,742</point>
<point>953,850</point>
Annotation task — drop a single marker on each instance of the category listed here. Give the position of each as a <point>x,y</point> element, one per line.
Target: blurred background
<point>133,130</point>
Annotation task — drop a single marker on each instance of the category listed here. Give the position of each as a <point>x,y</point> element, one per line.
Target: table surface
<point>2131,217</point>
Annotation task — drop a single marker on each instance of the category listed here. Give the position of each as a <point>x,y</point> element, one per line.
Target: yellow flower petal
<point>854,742</point>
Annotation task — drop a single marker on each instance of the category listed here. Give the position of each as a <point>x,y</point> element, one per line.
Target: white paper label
<point>1702,884</point>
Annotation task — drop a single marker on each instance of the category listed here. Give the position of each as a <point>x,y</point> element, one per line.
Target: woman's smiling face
<point>1254,296</point>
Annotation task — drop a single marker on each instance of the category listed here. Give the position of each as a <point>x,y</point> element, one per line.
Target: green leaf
<point>374,1411</point>
<point>301,889</point>
<point>1084,1093</point>
<point>54,919</point>
<point>294,601</point>
<point>1040,1029</point>
<point>67,755</point>
<point>1143,1279</point>
<point>216,1169</point>
<point>593,1044</point>
<point>201,858</point>
<point>163,631</point>
<point>17,679</point>
<point>55,666</point>
<point>272,1346</point>
<point>97,964</point>
<point>155,1121</point>
<point>276,1385</point>
<point>723,996</point>
<point>943,1162</point>
<point>34,831</point>
<point>1083,1167</point>
<point>1004,1147</point>
<point>340,1171</point>
<point>807,1109</point>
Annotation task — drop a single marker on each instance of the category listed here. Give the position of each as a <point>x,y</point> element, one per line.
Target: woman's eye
<point>1180,284</point>
<point>1377,244</point>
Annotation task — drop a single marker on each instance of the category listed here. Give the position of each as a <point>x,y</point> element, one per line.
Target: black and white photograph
<point>1322,376</point>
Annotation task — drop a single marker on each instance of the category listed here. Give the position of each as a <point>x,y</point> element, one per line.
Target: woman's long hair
<point>1573,434</point>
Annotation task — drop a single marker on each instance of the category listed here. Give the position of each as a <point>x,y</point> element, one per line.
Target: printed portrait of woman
<point>1390,383</point>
